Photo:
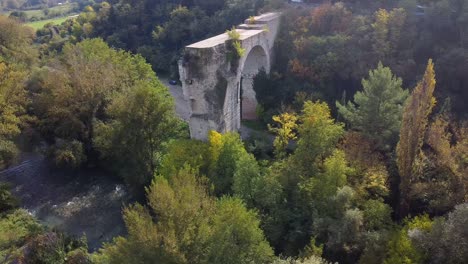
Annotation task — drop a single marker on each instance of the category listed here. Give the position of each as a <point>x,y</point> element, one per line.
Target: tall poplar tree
<point>413,128</point>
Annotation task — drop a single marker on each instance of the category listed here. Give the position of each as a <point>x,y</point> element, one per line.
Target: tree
<point>13,104</point>
<point>446,241</point>
<point>188,227</point>
<point>237,237</point>
<point>7,200</point>
<point>15,228</point>
<point>325,184</point>
<point>303,182</point>
<point>182,208</point>
<point>387,32</point>
<point>142,119</point>
<point>318,136</point>
<point>15,42</point>
<point>226,151</point>
<point>20,15</point>
<point>439,181</point>
<point>77,86</point>
<point>184,152</point>
<point>246,176</point>
<point>16,57</point>
<point>285,132</point>
<point>376,111</point>
<point>308,260</point>
<point>413,128</point>
<point>400,248</point>
<point>328,19</point>
<point>169,38</point>
<point>369,175</point>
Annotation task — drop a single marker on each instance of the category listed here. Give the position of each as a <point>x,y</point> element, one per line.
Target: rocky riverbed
<point>85,202</point>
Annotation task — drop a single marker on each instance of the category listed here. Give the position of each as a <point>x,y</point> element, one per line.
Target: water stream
<point>85,202</point>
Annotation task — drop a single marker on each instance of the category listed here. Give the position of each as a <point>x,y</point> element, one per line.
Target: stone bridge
<point>220,88</point>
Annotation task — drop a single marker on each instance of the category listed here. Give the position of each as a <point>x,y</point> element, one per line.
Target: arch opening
<point>256,60</point>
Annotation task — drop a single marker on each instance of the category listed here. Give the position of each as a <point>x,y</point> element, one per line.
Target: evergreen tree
<point>376,111</point>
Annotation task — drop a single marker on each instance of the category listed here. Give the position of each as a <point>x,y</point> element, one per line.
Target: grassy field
<point>61,9</point>
<point>40,24</point>
<point>64,9</point>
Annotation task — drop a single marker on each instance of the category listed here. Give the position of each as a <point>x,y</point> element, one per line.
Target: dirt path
<point>182,106</point>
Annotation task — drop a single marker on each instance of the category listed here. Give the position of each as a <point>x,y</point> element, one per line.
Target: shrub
<point>7,200</point>
<point>68,154</point>
<point>8,153</point>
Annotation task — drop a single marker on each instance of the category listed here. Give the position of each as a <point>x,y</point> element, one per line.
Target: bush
<point>8,153</point>
<point>234,48</point>
<point>46,248</point>
<point>7,200</point>
<point>78,256</point>
<point>68,154</point>
<point>15,229</point>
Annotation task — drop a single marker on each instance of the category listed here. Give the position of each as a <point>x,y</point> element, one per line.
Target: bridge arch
<point>257,58</point>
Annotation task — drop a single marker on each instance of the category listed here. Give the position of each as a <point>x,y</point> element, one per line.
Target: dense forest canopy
<point>360,153</point>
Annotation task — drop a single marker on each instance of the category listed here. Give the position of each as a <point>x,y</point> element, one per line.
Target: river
<point>84,202</point>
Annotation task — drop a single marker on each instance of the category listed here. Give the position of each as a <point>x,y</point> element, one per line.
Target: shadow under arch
<point>256,60</point>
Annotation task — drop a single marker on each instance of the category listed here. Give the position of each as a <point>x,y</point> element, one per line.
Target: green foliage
<point>227,154</point>
<point>191,227</point>
<point>309,260</point>
<point>67,154</point>
<point>233,34</point>
<point>78,256</point>
<point>234,48</point>
<point>142,120</point>
<point>15,229</point>
<point>369,177</point>
<point>387,31</point>
<point>160,30</point>
<point>400,248</point>
<point>13,104</point>
<point>318,59</point>
<point>445,242</point>
<point>182,152</point>
<point>53,247</point>
<point>377,214</point>
<point>304,183</point>
<point>15,42</point>
<point>326,183</point>
<point>79,87</point>
<point>318,136</point>
<point>7,200</point>
<point>237,237</point>
<point>412,131</point>
<point>8,153</point>
<point>328,197</point>
<point>182,207</point>
<point>239,51</point>
<point>46,248</point>
<point>312,250</point>
<point>376,111</point>
<point>285,132</point>
<point>245,177</point>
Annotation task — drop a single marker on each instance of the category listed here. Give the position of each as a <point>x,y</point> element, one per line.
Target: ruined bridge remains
<point>220,89</point>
